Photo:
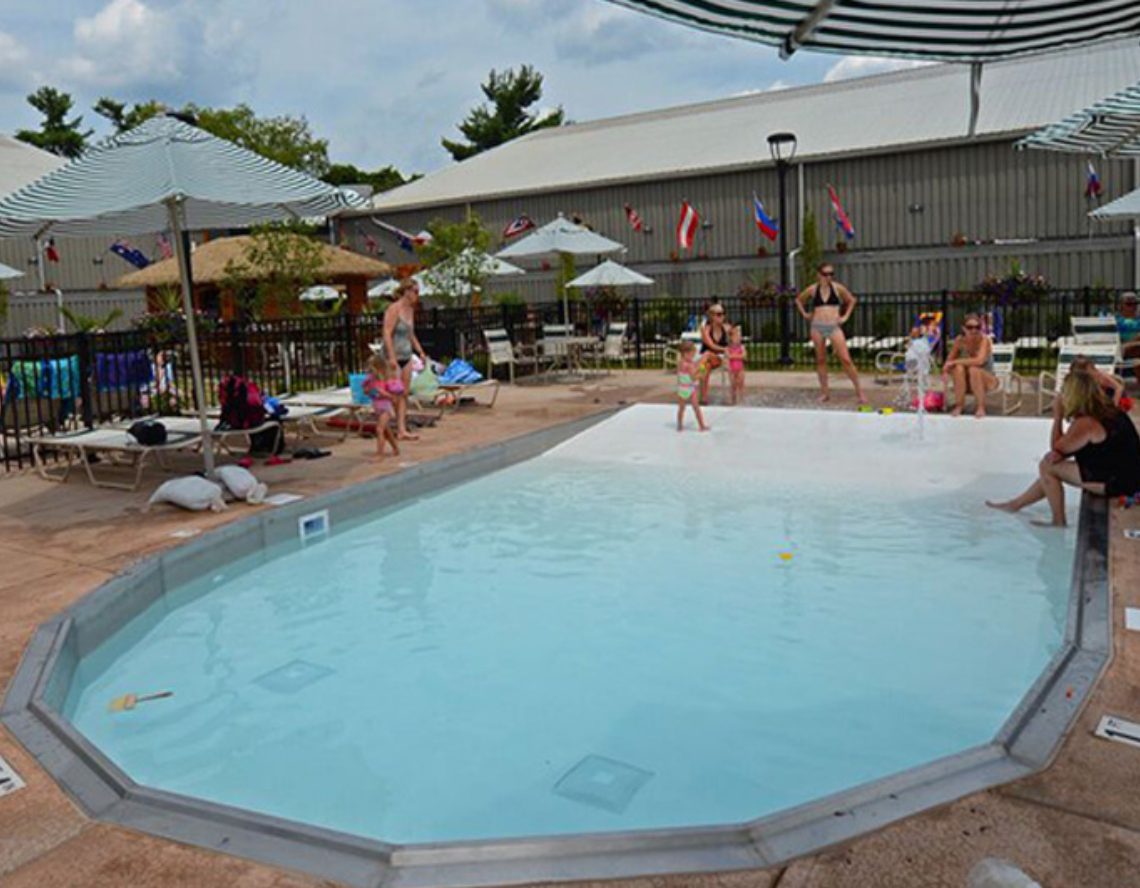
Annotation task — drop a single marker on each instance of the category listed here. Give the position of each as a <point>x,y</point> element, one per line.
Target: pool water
<point>638,629</point>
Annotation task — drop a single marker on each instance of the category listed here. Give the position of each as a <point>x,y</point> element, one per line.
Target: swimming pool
<point>634,631</point>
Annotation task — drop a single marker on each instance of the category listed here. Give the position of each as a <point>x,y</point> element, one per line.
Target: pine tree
<point>811,251</point>
<point>56,134</point>
<point>510,94</point>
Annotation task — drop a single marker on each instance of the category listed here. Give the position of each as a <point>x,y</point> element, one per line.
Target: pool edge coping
<point>1026,743</point>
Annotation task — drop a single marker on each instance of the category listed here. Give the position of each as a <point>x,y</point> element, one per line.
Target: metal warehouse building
<point>934,206</point>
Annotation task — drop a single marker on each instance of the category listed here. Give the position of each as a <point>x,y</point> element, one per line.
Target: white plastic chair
<point>613,346</point>
<point>501,351</point>
<point>1104,355</point>
<point>1010,384</point>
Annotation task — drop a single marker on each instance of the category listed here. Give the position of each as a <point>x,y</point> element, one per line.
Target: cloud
<point>14,63</point>
<point>862,66</point>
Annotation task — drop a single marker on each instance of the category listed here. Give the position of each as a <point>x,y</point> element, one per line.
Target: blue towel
<point>459,372</point>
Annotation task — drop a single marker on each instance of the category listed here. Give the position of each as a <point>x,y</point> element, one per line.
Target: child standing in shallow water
<point>688,378</point>
<point>380,389</point>
<point>736,355</point>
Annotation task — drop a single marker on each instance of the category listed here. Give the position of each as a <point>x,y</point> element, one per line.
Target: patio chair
<point>612,347</point>
<point>117,449</point>
<point>1010,384</point>
<point>1104,355</point>
<point>671,354</point>
<point>500,350</point>
<point>1095,331</point>
<point>556,345</point>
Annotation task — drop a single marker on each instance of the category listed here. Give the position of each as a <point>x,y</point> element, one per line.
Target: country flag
<point>165,250</point>
<point>50,252</point>
<point>370,244</point>
<point>1093,187</point>
<point>687,226</point>
<point>841,218</point>
<point>768,227</point>
<point>517,226</point>
<point>407,242</point>
<point>127,253</point>
<point>634,219</point>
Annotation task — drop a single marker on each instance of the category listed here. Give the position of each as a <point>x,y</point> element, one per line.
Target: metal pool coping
<point>1026,743</point>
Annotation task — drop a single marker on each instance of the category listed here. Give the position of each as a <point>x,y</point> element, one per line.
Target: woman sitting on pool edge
<point>971,365</point>
<point>1099,453</point>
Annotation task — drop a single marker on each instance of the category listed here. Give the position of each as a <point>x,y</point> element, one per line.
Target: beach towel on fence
<point>56,378</point>
<point>119,370</point>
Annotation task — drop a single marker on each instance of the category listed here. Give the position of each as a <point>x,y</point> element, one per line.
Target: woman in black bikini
<point>831,306</point>
<point>714,344</point>
<point>1099,453</point>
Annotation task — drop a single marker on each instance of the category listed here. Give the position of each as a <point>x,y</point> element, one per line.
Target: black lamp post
<point>783,148</point>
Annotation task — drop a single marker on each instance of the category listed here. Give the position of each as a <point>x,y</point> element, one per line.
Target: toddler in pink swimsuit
<point>736,355</point>
<point>380,390</point>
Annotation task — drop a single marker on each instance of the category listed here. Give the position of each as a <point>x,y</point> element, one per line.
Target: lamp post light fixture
<point>783,148</point>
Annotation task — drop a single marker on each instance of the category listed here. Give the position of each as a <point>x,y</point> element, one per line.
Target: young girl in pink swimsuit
<point>381,388</point>
<point>736,355</point>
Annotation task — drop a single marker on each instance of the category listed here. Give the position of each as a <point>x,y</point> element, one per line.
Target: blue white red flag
<point>1093,188</point>
<point>517,226</point>
<point>127,253</point>
<point>407,241</point>
<point>768,227</point>
<point>841,218</point>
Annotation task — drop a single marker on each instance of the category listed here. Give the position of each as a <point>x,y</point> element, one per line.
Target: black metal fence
<point>80,380</point>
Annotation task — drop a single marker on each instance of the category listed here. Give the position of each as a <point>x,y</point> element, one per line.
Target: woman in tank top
<point>831,304</point>
<point>971,365</point>
<point>400,343</point>
<point>1099,452</point>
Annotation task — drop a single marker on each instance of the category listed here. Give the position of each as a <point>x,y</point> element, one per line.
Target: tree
<point>287,140</point>
<point>123,118</point>
<point>455,258</point>
<point>510,94</point>
<point>281,261</point>
<point>56,134</point>
<point>811,251</point>
<point>381,180</point>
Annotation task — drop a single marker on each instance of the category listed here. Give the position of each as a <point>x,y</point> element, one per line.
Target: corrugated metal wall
<point>86,263</point>
<point>907,208</point>
<point>26,311</point>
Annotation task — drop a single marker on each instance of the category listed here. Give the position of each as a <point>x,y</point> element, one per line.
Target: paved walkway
<point>1077,824</point>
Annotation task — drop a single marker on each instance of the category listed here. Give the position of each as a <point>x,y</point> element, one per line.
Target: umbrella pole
<point>192,336</point>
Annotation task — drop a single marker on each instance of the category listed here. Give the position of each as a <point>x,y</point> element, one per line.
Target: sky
<point>381,80</point>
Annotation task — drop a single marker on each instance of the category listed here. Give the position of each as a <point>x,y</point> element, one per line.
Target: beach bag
<point>241,403</point>
<point>425,384</point>
<point>148,432</point>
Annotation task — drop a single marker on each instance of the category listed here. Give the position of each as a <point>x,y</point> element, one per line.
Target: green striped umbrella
<point>939,30</point>
<point>167,175</point>
<point>1110,128</point>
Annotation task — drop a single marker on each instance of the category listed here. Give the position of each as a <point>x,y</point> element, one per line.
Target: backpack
<point>241,403</point>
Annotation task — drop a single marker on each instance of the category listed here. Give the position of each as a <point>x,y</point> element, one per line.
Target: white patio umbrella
<point>610,274</point>
<point>166,175</point>
<point>7,272</point>
<point>320,293</point>
<point>965,31</point>
<point>561,237</point>
<point>1126,207</point>
<point>491,266</point>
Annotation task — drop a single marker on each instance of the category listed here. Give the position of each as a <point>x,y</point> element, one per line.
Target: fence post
<point>85,388</point>
<point>946,332</point>
<point>349,344</point>
<point>237,352</point>
<point>637,329</point>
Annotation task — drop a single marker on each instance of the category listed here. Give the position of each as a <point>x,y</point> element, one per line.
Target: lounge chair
<point>225,438</point>
<point>1009,383</point>
<point>116,448</point>
<point>612,347</point>
<point>501,351</point>
<point>1105,355</point>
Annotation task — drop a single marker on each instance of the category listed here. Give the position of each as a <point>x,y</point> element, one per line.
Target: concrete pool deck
<point>1075,824</point>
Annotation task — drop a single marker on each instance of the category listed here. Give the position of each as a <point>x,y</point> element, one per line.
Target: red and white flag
<point>50,252</point>
<point>370,244</point>
<point>164,248</point>
<point>634,219</point>
<point>687,226</point>
<point>517,226</point>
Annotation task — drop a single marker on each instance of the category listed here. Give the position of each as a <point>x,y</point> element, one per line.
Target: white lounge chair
<point>115,447</point>
<point>1010,384</point>
<point>613,347</point>
<point>1104,355</point>
<point>500,351</point>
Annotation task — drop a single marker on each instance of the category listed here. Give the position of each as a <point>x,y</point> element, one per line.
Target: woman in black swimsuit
<point>831,306</point>
<point>714,343</point>
<point>1100,452</point>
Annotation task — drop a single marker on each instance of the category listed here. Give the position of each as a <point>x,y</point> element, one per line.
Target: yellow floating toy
<point>887,411</point>
<point>786,556</point>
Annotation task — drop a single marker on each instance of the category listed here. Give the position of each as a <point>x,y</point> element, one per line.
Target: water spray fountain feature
<point>916,379</point>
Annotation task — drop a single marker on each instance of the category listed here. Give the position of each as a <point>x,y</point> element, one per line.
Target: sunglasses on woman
<point>973,326</point>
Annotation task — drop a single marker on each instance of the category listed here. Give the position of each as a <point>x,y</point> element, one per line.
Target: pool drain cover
<point>602,782</point>
<point>9,780</point>
<point>292,677</point>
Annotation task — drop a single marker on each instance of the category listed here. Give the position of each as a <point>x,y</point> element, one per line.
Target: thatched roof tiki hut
<point>240,263</point>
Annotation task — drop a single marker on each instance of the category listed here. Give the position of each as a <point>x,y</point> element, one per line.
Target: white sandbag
<point>192,492</point>
<point>994,872</point>
<point>242,484</point>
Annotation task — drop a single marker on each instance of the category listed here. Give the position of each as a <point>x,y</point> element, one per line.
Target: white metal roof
<point>21,163</point>
<point>888,111</point>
